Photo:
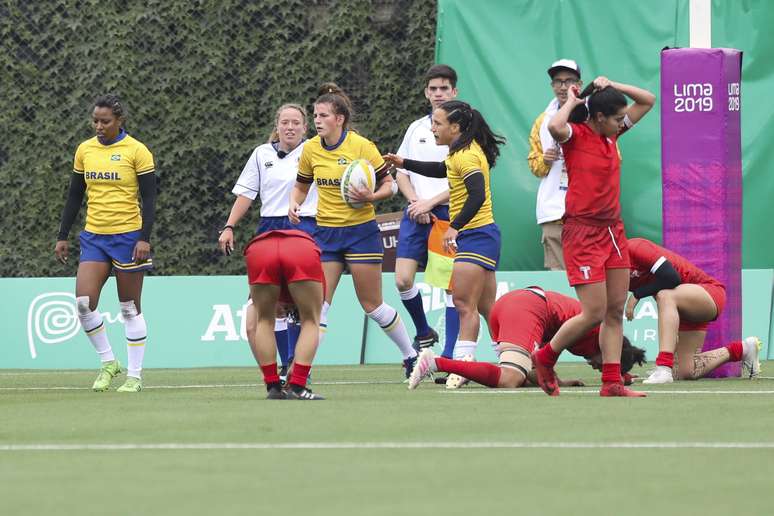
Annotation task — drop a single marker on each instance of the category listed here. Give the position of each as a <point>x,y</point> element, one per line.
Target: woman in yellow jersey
<point>111,169</point>
<point>344,234</point>
<point>472,233</point>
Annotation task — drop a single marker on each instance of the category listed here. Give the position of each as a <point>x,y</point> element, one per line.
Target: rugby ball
<point>360,173</point>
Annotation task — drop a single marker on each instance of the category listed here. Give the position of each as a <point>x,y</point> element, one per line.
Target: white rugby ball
<point>360,173</point>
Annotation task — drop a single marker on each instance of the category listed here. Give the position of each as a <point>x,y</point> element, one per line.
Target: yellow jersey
<point>458,166</point>
<point>325,165</point>
<point>110,172</point>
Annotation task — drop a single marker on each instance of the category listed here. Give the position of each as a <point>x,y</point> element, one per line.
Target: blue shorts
<point>308,224</point>
<point>480,246</point>
<point>361,243</point>
<point>412,236</point>
<point>115,249</point>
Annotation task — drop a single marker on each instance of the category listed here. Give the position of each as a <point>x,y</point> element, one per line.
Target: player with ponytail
<point>347,235</point>
<point>593,238</point>
<point>472,233</point>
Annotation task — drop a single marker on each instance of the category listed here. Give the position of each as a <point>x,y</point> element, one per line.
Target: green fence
<point>198,321</point>
<point>202,81</point>
<point>502,49</point>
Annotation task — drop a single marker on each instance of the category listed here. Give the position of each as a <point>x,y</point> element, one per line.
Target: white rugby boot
<point>751,347</point>
<point>661,374</point>
<point>424,368</point>
<point>455,381</point>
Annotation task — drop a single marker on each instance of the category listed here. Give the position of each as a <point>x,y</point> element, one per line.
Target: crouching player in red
<point>688,299</point>
<point>284,266</point>
<point>520,321</point>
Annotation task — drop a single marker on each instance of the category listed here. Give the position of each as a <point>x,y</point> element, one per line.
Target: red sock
<point>270,373</point>
<point>480,372</point>
<point>665,359</point>
<point>547,355</point>
<point>299,374</point>
<point>611,373</point>
<point>735,349</point>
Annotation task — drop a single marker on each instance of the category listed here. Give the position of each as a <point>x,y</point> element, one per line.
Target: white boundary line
<point>387,446</point>
<point>592,391</point>
<point>207,386</point>
<point>455,392</point>
<point>193,370</point>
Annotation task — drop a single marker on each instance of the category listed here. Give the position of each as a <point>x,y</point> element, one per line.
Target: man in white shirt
<point>546,162</point>
<point>428,198</point>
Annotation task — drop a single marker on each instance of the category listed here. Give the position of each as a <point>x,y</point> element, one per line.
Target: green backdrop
<point>502,49</point>
<point>198,321</point>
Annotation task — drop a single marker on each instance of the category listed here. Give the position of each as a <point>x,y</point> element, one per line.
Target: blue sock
<point>413,303</point>
<point>293,331</point>
<point>282,344</point>
<point>452,330</point>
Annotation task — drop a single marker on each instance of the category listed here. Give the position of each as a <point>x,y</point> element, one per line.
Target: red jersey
<point>560,309</point>
<point>646,257</point>
<point>594,175</point>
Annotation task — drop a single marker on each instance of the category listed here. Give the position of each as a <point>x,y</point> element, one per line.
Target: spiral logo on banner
<point>51,318</point>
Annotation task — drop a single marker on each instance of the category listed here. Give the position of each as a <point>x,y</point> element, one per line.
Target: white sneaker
<point>424,368</point>
<point>661,374</point>
<point>751,347</point>
<point>455,381</point>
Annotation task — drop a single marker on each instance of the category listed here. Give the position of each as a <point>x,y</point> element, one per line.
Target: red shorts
<point>590,250</point>
<point>283,257</point>
<point>519,317</point>
<point>718,294</point>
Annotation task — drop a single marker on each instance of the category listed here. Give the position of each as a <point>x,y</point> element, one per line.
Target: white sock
<point>449,300</point>
<point>410,293</point>
<point>464,347</point>
<point>94,327</point>
<point>389,320</point>
<point>136,333</point>
<point>280,324</point>
<point>323,322</point>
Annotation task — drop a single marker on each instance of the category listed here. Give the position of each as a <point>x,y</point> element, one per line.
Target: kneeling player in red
<point>284,266</point>
<point>521,321</point>
<point>688,299</point>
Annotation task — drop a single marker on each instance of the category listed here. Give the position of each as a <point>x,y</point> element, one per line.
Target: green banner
<point>502,49</point>
<point>199,321</point>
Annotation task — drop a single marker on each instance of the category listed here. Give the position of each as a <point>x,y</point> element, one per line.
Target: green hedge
<point>201,81</point>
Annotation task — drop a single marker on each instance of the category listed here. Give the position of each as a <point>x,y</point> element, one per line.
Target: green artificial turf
<point>374,448</point>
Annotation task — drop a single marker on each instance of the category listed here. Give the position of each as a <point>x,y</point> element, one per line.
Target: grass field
<point>204,441</point>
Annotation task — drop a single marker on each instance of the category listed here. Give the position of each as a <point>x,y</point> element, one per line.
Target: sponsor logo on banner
<point>223,324</point>
<point>52,318</point>
<point>693,97</point>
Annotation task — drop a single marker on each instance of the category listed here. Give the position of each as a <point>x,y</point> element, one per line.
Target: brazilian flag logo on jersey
<point>115,157</point>
<point>343,161</point>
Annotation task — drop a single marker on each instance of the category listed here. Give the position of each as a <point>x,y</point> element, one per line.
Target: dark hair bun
<point>330,88</point>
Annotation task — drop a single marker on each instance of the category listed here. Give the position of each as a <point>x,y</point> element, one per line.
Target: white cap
<point>564,64</point>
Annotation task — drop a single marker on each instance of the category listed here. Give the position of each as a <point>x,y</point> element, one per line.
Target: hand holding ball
<point>359,174</point>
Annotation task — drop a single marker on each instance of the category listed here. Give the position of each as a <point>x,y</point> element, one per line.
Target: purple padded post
<point>701,159</point>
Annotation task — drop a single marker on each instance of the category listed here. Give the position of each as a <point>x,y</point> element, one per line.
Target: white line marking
<point>587,391</point>
<point>387,445</point>
<point>193,370</point>
<point>207,386</point>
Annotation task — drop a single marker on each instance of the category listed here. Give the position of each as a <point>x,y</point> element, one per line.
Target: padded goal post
<point>701,160</point>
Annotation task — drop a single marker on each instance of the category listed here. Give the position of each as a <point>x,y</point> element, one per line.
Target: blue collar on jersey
<point>337,144</point>
<point>121,136</point>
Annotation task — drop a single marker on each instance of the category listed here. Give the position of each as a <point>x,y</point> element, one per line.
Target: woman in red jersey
<point>688,299</point>
<point>520,322</point>
<point>593,238</point>
<point>284,266</point>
